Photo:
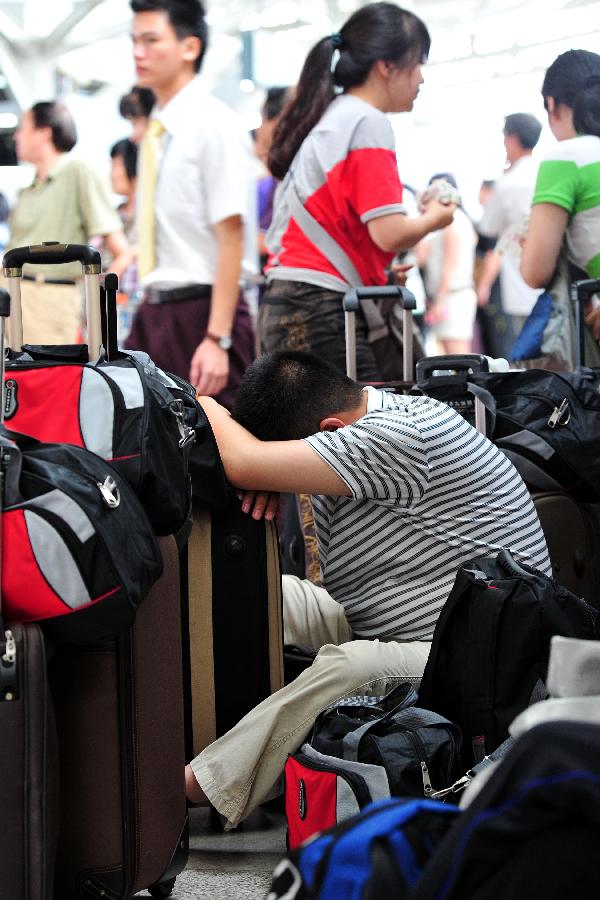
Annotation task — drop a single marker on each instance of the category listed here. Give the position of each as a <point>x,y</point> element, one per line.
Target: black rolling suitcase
<point>233,589</point>
<point>28,752</point>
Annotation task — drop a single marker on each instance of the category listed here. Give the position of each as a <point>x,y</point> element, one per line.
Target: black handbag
<point>418,749</point>
<point>79,554</point>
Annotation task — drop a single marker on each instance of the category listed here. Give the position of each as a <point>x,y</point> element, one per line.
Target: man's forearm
<point>226,287</point>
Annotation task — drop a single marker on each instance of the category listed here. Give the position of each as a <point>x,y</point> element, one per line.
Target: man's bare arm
<point>284,466</point>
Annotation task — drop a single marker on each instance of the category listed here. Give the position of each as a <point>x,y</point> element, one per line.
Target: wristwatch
<point>224,341</point>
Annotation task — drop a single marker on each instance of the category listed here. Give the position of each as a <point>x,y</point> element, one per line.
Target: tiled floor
<point>234,865</point>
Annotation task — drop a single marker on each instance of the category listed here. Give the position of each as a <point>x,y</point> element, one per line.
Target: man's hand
<point>260,504</point>
<point>439,215</point>
<point>593,320</point>
<point>399,272</point>
<point>209,368</point>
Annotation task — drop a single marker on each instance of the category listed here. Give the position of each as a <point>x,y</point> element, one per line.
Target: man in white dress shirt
<point>508,207</point>
<point>193,320</point>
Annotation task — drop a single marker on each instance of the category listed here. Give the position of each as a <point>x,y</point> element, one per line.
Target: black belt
<point>155,294</point>
<point>41,279</point>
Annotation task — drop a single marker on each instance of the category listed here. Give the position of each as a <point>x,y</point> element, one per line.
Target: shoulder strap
<point>315,232</point>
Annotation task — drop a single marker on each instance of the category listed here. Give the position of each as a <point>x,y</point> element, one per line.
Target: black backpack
<point>491,646</point>
<point>532,831</point>
<point>548,424</point>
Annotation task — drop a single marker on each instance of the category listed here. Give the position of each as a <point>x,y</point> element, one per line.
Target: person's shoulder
<point>364,124</point>
<point>582,151</point>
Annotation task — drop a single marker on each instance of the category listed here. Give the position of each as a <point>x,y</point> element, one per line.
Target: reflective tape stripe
<point>96,413</point>
<point>68,510</point>
<point>56,562</point>
<point>129,383</point>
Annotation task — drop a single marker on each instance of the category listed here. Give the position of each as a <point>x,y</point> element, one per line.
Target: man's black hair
<point>56,116</point>
<point>187,18</point>
<point>525,127</point>
<point>137,103</point>
<point>128,152</point>
<point>285,395</point>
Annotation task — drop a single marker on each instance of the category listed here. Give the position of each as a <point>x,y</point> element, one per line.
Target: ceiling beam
<point>82,9</point>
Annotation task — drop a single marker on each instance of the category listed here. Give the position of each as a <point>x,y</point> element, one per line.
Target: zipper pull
<point>427,786</point>
<point>556,417</point>
<point>8,668</point>
<point>110,492</point>
<point>187,434</point>
<point>10,653</point>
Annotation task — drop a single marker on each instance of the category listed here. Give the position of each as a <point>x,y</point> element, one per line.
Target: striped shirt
<point>429,492</point>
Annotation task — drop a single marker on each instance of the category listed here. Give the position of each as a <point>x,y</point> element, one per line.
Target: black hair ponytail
<point>376,31</point>
<point>586,111</point>
<point>314,93</point>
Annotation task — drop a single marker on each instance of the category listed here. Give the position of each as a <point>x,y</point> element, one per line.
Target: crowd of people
<point>405,479</point>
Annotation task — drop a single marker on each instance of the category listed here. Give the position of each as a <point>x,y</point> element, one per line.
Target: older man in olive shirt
<point>67,202</point>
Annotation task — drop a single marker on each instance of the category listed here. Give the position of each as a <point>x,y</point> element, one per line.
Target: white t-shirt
<point>206,174</point>
<point>462,273</point>
<point>508,207</point>
<point>429,492</point>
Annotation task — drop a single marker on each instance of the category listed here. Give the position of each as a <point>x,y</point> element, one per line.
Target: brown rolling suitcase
<point>572,532</point>
<point>120,719</point>
<point>233,586</point>
<point>28,754</point>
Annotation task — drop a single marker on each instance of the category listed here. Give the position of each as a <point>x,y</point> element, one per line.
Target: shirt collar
<point>375,399</point>
<point>174,115</point>
<point>60,163</point>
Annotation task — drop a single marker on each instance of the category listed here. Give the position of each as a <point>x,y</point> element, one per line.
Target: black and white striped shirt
<point>428,493</point>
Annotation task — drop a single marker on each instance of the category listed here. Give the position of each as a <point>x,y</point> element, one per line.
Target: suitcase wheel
<point>162,890</point>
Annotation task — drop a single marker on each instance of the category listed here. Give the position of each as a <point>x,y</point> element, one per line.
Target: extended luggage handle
<point>362,298</point>
<point>581,292</point>
<point>55,253</point>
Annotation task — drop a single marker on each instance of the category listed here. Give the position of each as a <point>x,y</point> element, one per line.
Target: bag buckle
<point>558,416</point>
<point>455,788</point>
<point>110,492</point>
<point>187,435</point>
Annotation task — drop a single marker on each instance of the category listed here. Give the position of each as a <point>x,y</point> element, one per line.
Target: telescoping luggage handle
<point>8,660</point>
<point>581,292</point>
<point>352,303</point>
<point>54,253</point>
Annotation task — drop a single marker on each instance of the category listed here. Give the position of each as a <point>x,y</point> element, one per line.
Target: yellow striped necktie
<point>146,195</point>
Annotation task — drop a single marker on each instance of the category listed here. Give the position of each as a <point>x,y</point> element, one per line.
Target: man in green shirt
<point>67,202</point>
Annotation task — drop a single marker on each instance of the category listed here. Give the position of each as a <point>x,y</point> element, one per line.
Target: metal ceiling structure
<point>36,37</point>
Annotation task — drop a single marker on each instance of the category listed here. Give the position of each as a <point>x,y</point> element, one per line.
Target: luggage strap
<point>338,257</point>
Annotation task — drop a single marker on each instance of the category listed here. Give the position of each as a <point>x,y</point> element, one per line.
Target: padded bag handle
<point>351,741</point>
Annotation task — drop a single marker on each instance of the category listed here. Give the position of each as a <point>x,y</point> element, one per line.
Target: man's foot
<point>194,793</point>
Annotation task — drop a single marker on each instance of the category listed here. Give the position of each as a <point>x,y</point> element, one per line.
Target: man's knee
<point>362,663</point>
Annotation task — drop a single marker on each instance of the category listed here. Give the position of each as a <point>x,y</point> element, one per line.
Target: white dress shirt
<point>508,207</point>
<point>206,174</point>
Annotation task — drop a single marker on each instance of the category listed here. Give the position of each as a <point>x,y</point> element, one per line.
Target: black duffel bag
<point>418,749</point>
<point>79,554</point>
<point>549,423</point>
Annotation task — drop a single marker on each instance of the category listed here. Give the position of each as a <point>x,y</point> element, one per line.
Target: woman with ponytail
<point>338,216</point>
<point>566,202</point>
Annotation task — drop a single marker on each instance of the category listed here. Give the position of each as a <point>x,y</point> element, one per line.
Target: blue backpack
<point>380,852</point>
